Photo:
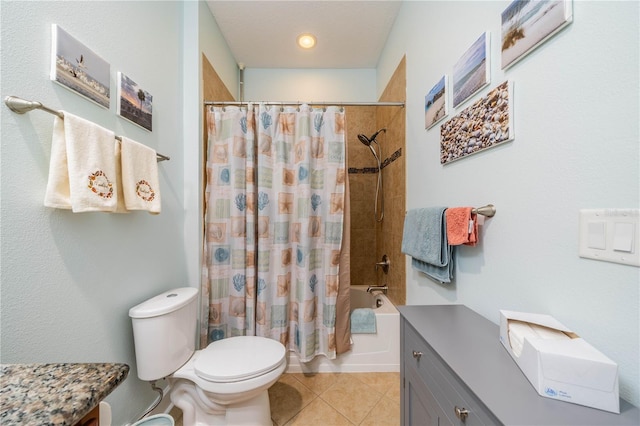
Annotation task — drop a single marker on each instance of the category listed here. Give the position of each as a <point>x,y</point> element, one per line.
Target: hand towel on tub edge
<point>363,321</point>
<point>82,169</point>
<point>140,182</point>
<point>424,238</point>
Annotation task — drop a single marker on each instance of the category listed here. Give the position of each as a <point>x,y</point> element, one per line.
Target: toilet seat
<point>238,358</point>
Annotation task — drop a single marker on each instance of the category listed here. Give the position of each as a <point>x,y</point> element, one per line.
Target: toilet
<point>225,383</point>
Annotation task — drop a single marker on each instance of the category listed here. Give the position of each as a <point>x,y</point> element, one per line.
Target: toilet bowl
<point>231,378</point>
<point>225,383</point>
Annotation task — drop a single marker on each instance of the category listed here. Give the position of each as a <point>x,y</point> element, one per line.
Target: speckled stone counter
<point>54,394</point>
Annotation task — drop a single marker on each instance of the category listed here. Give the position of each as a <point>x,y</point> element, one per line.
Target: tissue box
<point>567,369</point>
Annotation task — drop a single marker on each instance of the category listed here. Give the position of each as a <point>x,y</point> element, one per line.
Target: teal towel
<point>363,321</point>
<point>424,238</point>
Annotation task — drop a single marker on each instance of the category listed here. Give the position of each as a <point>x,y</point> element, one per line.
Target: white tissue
<point>518,330</point>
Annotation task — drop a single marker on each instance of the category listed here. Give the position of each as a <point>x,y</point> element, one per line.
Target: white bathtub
<point>378,352</point>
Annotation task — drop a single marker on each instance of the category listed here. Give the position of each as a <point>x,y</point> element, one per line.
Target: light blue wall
<point>201,36</point>
<point>306,85</point>
<point>214,47</point>
<point>576,147</point>
<point>68,280</point>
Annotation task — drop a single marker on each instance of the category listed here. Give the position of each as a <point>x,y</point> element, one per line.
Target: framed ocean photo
<point>77,68</point>
<point>435,103</point>
<point>527,24</point>
<point>133,103</point>
<point>471,72</point>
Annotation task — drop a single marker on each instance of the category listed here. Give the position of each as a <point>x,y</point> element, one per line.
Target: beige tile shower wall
<point>371,239</point>
<point>363,225</point>
<point>389,233</point>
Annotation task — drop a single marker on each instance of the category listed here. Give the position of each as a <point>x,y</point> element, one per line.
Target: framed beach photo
<point>435,103</point>
<point>486,123</point>
<point>133,103</point>
<point>528,24</point>
<point>77,68</point>
<point>471,72</point>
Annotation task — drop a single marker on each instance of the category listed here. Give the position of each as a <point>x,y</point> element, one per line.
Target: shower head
<point>367,141</point>
<point>379,193</point>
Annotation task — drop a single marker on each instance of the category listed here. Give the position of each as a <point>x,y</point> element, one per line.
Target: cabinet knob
<point>417,355</point>
<point>461,413</point>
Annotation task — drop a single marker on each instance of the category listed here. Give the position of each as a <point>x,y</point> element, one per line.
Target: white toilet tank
<point>164,332</point>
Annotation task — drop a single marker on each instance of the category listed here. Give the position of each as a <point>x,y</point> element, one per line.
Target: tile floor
<point>329,399</point>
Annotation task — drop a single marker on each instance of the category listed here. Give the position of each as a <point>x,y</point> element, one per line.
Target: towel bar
<point>489,210</point>
<point>20,106</point>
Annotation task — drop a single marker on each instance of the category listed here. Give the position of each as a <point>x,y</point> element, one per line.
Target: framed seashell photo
<point>483,125</point>
<point>436,103</point>
<point>528,24</point>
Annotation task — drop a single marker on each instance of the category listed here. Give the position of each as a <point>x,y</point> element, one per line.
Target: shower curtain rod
<point>21,106</point>
<point>240,103</point>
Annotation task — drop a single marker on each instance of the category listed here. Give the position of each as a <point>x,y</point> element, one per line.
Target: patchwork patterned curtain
<point>228,274</point>
<point>272,260</point>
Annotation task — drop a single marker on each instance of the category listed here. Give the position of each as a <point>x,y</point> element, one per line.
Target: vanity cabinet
<point>90,419</point>
<point>455,371</point>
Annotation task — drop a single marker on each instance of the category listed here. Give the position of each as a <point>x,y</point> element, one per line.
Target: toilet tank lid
<point>164,303</point>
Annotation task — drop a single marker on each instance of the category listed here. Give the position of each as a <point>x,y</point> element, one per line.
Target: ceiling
<point>262,33</point>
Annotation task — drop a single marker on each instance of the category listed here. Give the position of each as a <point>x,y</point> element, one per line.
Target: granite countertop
<point>54,394</point>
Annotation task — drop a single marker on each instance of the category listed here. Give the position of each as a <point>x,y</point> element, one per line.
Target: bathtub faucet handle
<point>385,264</point>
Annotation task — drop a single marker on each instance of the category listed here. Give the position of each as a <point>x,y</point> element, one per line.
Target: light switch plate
<point>610,235</point>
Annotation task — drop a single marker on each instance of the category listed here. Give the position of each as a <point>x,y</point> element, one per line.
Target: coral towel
<point>140,183</point>
<point>462,226</point>
<point>82,168</point>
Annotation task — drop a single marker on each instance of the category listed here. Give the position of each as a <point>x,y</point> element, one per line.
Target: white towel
<point>121,208</point>
<point>82,169</point>
<point>140,183</point>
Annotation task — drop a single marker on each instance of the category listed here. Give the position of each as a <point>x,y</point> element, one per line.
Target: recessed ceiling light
<point>306,41</point>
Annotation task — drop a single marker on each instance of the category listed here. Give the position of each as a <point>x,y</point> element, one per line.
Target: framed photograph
<point>134,103</point>
<point>435,103</point>
<point>483,125</point>
<point>527,24</point>
<point>78,68</point>
<point>471,72</point>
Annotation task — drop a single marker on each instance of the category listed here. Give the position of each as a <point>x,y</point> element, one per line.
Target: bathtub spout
<point>382,288</point>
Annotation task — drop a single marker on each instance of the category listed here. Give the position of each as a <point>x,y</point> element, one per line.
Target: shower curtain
<point>274,220</point>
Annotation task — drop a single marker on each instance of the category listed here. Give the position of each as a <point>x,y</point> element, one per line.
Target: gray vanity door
<point>419,406</point>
